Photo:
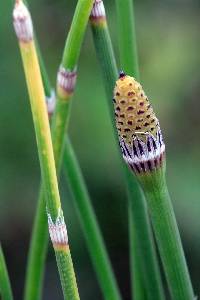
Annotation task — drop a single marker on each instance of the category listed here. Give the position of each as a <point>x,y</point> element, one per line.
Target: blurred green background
<point>168,34</point>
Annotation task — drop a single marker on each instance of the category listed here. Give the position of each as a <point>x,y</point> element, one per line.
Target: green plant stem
<point>143,236</point>
<point>5,286</point>
<point>148,268</point>
<point>127,37</point>
<point>155,189</point>
<point>39,239</point>
<point>89,224</point>
<point>44,74</point>
<point>76,33</point>
<point>167,235</point>
<point>137,277</point>
<point>47,165</point>
<point>37,252</point>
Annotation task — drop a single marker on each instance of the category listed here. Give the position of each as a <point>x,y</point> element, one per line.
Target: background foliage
<point>168,39</point>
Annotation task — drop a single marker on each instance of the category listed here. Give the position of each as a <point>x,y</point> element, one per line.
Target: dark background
<point>168,42</point>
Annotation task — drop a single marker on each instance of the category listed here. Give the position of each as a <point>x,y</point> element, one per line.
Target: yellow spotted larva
<point>133,112</point>
<point>138,128</point>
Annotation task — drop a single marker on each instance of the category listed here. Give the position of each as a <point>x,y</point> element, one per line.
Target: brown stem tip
<point>22,22</point>
<point>98,13</point>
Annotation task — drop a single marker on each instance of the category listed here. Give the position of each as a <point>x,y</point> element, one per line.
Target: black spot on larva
<point>130,84</point>
<point>141,95</point>
<point>141,103</point>
<point>126,130</point>
<point>148,116</point>
<point>130,123</point>
<point>121,74</point>
<point>116,115</point>
<point>140,112</point>
<point>131,93</point>
<point>152,128</point>
<point>148,106</point>
<point>119,122</point>
<point>119,129</point>
<point>117,94</point>
<point>122,116</point>
<point>146,124</point>
<point>118,108</point>
<point>137,128</point>
<point>153,120</point>
<point>114,100</point>
<point>122,101</point>
<point>140,120</point>
<point>124,135</point>
<point>130,108</point>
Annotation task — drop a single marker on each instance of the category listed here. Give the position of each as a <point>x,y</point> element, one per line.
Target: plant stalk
<point>5,286</point>
<point>107,282</point>
<point>57,227</point>
<point>167,234</point>
<point>143,237</point>
<point>127,37</point>
<point>89,224</point>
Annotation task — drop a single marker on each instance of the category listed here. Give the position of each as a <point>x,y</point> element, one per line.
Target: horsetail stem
<point>93,235</point>
<point>143,149</point>
<point>5,286</point>
<point>127,37</point>
<point>89,223</point>
<point>147,269</point>
<point>57,228</point>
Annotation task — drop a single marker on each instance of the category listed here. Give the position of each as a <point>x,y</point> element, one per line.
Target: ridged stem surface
<point>47,163</point>
<point>89,224</point>
<point>108,66</point>
<point>38,251</point>
<point>167,235</point>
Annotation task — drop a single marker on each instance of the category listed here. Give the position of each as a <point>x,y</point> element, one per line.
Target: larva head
<point>133,112</point>
<point>137,125</point>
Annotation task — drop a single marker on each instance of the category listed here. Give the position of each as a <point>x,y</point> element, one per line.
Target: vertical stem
<point>5,286</point>
<point>147,267</point>
<point>47,165</point>
<point>137,278</point>
<point>89,224</point>
<point>57,228</point>
<point>167,235</point>
<point>144,240</point>
<point>127,37</point>
<point>39,237</point>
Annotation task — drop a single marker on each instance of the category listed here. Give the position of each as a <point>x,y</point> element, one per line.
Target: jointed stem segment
<point>167,234</point>
<point>23,28</point>
<point>59,125</point>
<point>142,231</point>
